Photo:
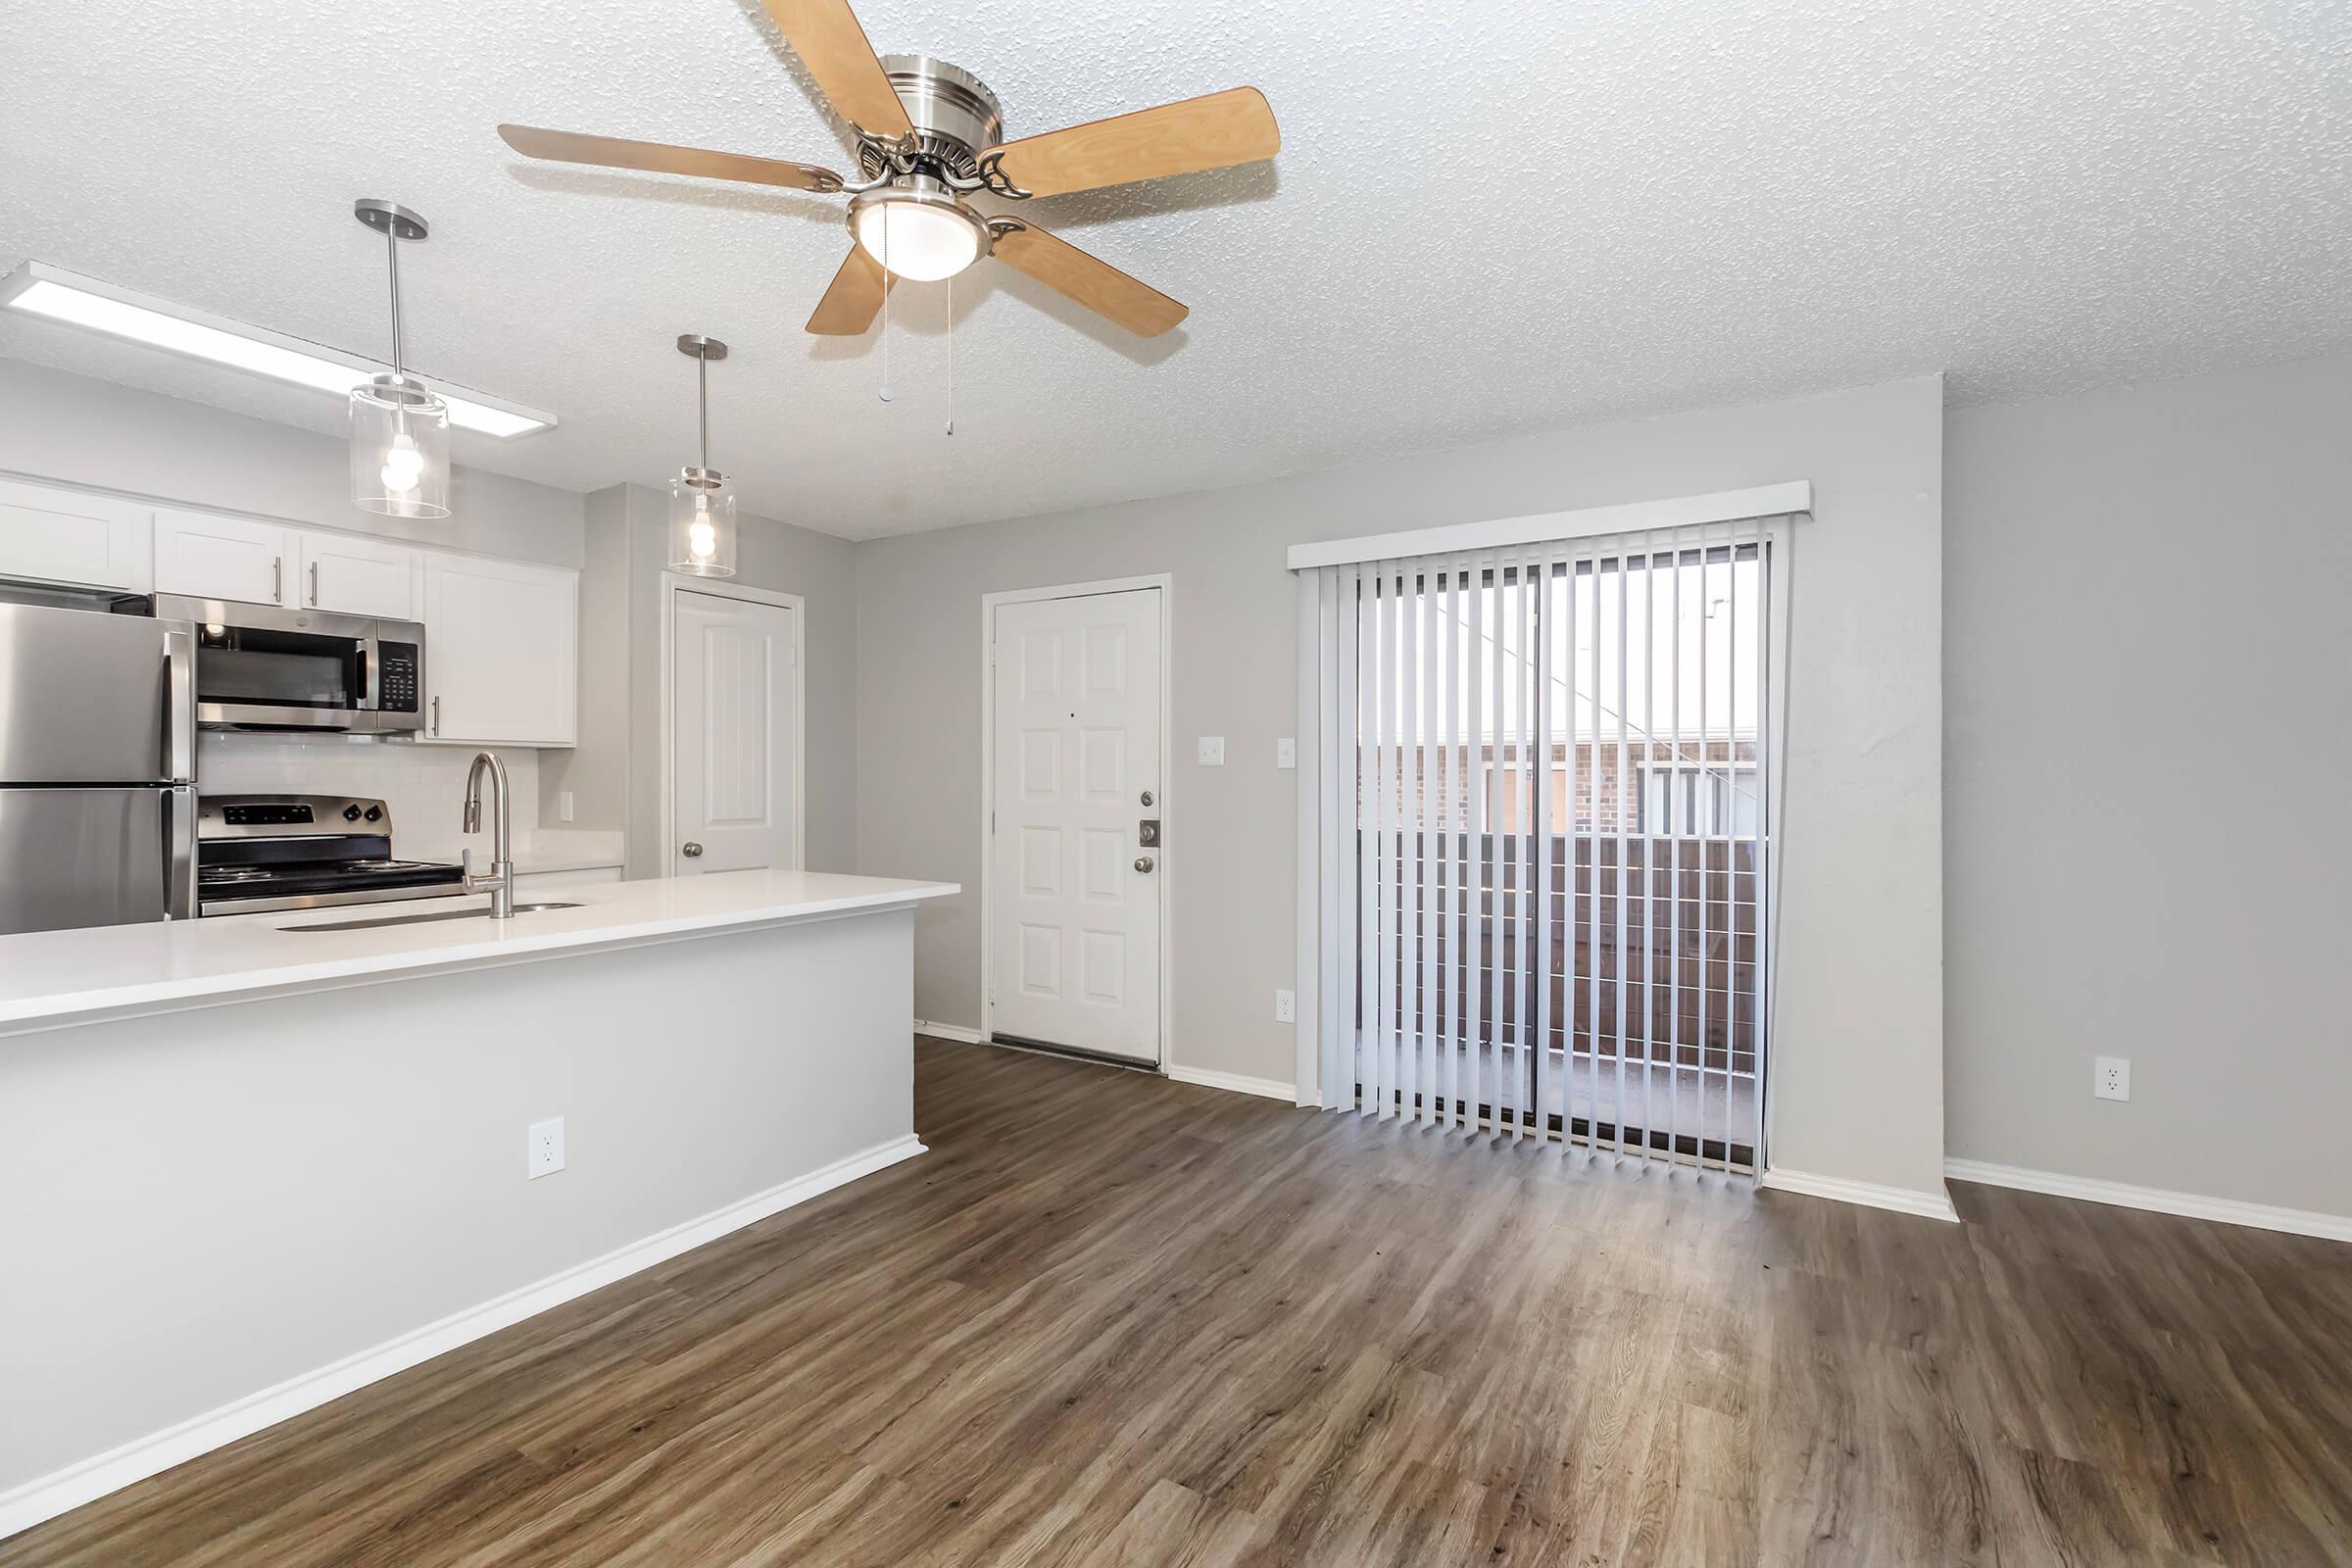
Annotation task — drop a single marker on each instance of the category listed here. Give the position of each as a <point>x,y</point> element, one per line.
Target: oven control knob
<point>376,814</point>
<point>351,814</point>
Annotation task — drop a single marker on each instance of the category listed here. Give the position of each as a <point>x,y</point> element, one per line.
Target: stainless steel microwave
<point>260,667</point>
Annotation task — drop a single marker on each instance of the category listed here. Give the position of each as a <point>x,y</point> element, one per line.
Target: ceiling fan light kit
<point>399,427</point>
<point>929,135</point>
<point>918,230</point>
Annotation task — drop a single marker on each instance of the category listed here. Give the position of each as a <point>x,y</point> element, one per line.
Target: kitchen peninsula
<point>254,1162</point>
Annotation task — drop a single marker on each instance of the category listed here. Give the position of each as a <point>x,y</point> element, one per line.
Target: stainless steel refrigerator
<point>97,768</point>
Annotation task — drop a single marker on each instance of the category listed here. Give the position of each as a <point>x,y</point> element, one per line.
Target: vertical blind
<point>1545,840</point>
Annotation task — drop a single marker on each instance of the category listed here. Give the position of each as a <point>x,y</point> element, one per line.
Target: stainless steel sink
<point>419,919</point>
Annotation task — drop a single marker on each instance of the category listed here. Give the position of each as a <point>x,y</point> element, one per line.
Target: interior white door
<point>1074,878</point>
<point>736,744</point>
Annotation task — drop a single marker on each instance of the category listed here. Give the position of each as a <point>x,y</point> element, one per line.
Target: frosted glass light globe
<point>923,243</point>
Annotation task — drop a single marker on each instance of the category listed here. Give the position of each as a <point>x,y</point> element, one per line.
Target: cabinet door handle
<point>277,579</point>
<point>314,585</point>
<point>436,715</point>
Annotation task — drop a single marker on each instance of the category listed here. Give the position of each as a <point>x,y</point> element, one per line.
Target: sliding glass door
<point>1548,897</point>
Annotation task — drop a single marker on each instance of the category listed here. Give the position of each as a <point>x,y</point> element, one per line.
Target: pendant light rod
<point>392,247</point>
<point>396,223</point>
<point>703,350</point>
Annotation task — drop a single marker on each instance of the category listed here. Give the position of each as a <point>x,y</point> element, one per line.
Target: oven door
<point>259,666</point>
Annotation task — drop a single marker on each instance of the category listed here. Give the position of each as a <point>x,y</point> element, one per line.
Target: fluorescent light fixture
<point>39,289</point>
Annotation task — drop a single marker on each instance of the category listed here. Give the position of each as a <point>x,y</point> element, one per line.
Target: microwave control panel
<point>396,692</point>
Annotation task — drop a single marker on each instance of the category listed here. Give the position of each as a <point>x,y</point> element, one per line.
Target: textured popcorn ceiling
<point>1487,218</point>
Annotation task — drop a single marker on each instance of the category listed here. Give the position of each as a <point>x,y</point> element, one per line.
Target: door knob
<point>1143,862</point>
<point>691,850</point>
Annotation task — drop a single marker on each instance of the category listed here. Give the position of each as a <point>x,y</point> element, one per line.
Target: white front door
<point>736,706</point>
<point>1074,899</point>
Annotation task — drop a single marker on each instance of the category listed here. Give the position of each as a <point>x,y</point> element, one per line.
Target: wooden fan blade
<point>853,297</point>
<point>1095,284</point>
<point>1234,126</point>
<point>611,152</point>
<point>825,34</point>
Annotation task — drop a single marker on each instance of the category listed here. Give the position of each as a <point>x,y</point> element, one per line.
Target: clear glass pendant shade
<point>702,523</point>
<point>399,448</point>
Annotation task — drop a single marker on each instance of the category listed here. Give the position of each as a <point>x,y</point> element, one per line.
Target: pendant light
<point>399,430</point>
<point>702,504</point>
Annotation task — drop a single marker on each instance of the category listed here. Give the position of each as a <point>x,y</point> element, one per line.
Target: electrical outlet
<point>564,806</point>
<point>543,1154</point>
<point>1286,1006</point>
<point>2111,1077</point>
<point>1286,753</point>
<point>1212,750</point>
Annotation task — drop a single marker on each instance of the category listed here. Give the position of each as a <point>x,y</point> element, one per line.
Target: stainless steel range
<point>257,852</point>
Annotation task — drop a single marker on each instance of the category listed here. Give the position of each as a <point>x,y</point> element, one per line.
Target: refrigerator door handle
<point>180,701</point>
<point>180,854</point>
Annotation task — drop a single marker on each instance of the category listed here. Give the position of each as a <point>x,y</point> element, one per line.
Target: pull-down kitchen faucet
<point>499,883</point>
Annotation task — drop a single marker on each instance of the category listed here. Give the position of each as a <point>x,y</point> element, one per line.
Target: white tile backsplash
<point>425,786</point>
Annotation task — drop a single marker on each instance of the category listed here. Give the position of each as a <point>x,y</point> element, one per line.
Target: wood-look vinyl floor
<point>1116,1320</point>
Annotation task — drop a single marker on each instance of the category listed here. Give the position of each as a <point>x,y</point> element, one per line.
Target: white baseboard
<point>2158,1200</point>
<point>1937,1205</point>
<point>950,1031</point>
<point>1265,1088</point>
<point>47,1496</point>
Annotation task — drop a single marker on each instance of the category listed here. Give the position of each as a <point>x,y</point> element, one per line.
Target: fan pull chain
<point>951,297</point>
<point>886,307</point>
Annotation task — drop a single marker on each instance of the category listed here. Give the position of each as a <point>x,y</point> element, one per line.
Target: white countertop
<point>49,978</point>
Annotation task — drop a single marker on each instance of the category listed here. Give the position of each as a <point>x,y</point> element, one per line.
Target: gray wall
<point>58,425</point>
<point>596,770</point>
<point>782,559</point>
<point>2149,738</point>
<point>1860,1071</point>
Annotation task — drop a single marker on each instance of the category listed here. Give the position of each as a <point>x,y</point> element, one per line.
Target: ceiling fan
<point>928,137</point>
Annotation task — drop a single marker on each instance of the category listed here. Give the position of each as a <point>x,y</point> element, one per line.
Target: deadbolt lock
<point>1147,831</point>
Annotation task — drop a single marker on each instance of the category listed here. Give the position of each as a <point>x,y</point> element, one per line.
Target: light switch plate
<point>543,1154</point>
<point>1212,750</point>
<point>2111,1077</point>
<point>1286,753</point>
<point>564,806</point>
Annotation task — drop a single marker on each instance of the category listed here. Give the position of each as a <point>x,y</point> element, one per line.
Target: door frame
<point>674,583</point>
<point>1165,583</point>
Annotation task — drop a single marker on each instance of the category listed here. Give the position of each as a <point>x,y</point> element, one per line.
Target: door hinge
<point>992,821</point>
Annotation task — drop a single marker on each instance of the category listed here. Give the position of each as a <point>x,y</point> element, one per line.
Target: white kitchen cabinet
<point>58,535</point>
<point>502,644</point>
<point>206,556</point>
<point>357,576</point>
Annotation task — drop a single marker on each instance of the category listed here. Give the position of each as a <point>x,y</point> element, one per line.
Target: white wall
<point>1858,1083</point>
<point>2148,744</point>
<point>423,787</point>
<point>230,1197</point>
<point>58,425</point>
